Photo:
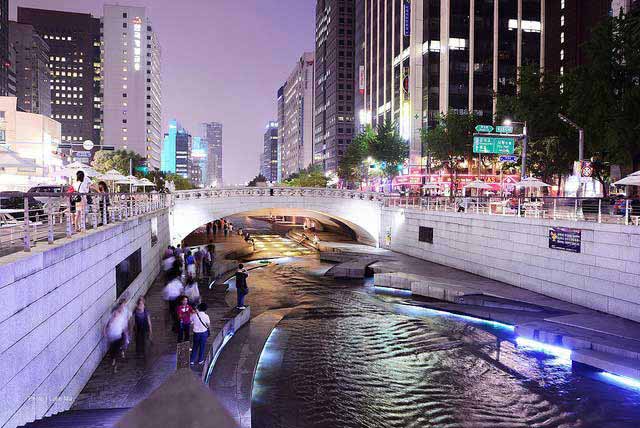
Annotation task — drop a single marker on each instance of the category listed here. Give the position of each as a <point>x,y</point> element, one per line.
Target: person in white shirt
<point>200,322</point>
<point>83,186</point>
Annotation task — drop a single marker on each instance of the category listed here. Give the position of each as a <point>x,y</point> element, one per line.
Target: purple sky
<point>223,60</point>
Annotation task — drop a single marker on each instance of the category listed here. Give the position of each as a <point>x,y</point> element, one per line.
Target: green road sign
<point>494,145</point>
<point>504,129</point>
<point>142,169</point>
<point>484,128</point>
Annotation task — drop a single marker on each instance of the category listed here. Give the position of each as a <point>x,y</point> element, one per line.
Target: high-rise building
<point>280,108</point>
<point>5,64</point>
<point>33,88</point>
<point>200,162</point>
<point>269,158</point>
<point>212,134</point>
<point>297,133</point>
<point>131,82</point>
<point>422,58</point>
<point>176,150</point>
<point>334,59</point>
<point>74,63</point>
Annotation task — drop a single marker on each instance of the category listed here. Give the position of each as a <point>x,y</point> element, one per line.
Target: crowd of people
<point>219,226</point>
<point>182,269</point>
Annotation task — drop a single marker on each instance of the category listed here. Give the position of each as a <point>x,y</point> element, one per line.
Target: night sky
<point>223,60</point>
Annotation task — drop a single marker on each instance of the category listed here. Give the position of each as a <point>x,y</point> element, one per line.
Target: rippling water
<point>348,358</point>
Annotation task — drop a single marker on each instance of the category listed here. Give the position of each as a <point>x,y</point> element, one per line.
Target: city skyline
<point>191,89</point>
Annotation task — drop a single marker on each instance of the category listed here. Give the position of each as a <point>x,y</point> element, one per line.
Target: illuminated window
<point>561,54</point>
<point>561,4</point>
<point>562,37</point>
<point>562,20</point>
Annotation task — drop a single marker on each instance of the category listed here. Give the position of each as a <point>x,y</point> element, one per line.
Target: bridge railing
<point>29,219</point>
<point>279,192</point>
<point>597,210</point>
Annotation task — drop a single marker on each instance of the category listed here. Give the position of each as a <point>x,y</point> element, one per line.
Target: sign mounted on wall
<point>565,239</point>
<point>407,19</point>
<point>361,79</point>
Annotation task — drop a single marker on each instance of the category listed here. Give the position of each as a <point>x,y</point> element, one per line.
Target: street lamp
<point>580,135</point>
<point>524,136</point>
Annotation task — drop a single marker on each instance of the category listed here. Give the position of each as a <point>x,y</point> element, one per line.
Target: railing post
<point>105,220</point>
<point>69,214</point>
<point>50,221</point>
<point>27,237</point>
<point>95,212</point>
<point>519,209</point>
<point>83,213</point>
<point>626,212</point>
<point>575,209</point>
<point>599,210</point>
<point>555,202</point>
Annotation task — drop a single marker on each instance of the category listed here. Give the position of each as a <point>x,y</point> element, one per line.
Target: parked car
<point>58,204</point>
<point>12,204</point>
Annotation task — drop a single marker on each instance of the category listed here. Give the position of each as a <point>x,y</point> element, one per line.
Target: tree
<point>603,96</point>
<point>119,160</point>
<point>350,167</point>
<point>450,142</point>
<point>257,179</point>
<point>389,148</point>
<point>308,177</point>
<point>552,146</point>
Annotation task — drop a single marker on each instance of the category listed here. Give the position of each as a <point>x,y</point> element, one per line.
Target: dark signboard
<point>565,239</point>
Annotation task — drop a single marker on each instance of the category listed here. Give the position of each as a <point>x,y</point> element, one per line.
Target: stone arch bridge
<point>360,211</point>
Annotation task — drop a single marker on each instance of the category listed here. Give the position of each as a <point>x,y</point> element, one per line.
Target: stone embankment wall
<point>604,276</point>
<point>56,301</point>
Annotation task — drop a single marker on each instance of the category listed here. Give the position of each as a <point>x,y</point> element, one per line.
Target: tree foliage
<point>119,160</point>
<point>450,142</point>
<point>389,148</point>
<point>308,177</point>
<point>257,179</point>
<point>603,96</point>
<point>384,145</point>
<point>350,168</point>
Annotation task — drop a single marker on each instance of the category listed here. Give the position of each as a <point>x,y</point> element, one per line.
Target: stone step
<point>90,418</point>
<point>621,366</point>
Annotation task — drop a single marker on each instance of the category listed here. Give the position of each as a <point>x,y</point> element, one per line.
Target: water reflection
<point>346,357</point>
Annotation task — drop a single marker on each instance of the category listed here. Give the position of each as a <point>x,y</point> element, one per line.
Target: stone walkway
<point>139,375</point>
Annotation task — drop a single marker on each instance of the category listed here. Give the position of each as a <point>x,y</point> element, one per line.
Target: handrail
<point>47,217</point>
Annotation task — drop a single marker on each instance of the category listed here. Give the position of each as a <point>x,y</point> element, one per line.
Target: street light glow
<point>507,122</point>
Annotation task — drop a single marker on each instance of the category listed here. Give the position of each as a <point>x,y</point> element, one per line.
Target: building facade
<point>33,88</point>
<point>269,157</point>
<point>176,151</point>
<point>334,77</point>
<point>5,63</point>
<point>131,62</point>
<point>211,134</point>
<point>74,63</point>
<point>280,108</point>
<point>421,58</point>
<point>200,162</point>
<point>297,128</point>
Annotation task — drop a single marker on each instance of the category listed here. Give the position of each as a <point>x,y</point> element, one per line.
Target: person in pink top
<point>184,312</point>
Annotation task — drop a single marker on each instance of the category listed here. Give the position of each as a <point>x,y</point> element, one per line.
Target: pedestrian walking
<point>192,292</point>
<point>208,229</point>
<point>184,312</point>
<point>84,186</point>
<point>116,333</point>
<point>190,263</point>
<point>241,285</point>
<point>179,252</point>
<point>215,227</point>
<point>200,321</point>
<point>141,326</point>
<point>104,202</point>
<point>206,262</point>
<point>225,228</point>
<point>198,258</point>
<point>171,292</point>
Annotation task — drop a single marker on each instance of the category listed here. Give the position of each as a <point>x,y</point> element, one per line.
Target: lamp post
<point>580,146</point>
<point>525,138</point>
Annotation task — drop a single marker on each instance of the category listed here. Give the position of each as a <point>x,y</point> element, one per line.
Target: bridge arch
<point>360,211</point>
